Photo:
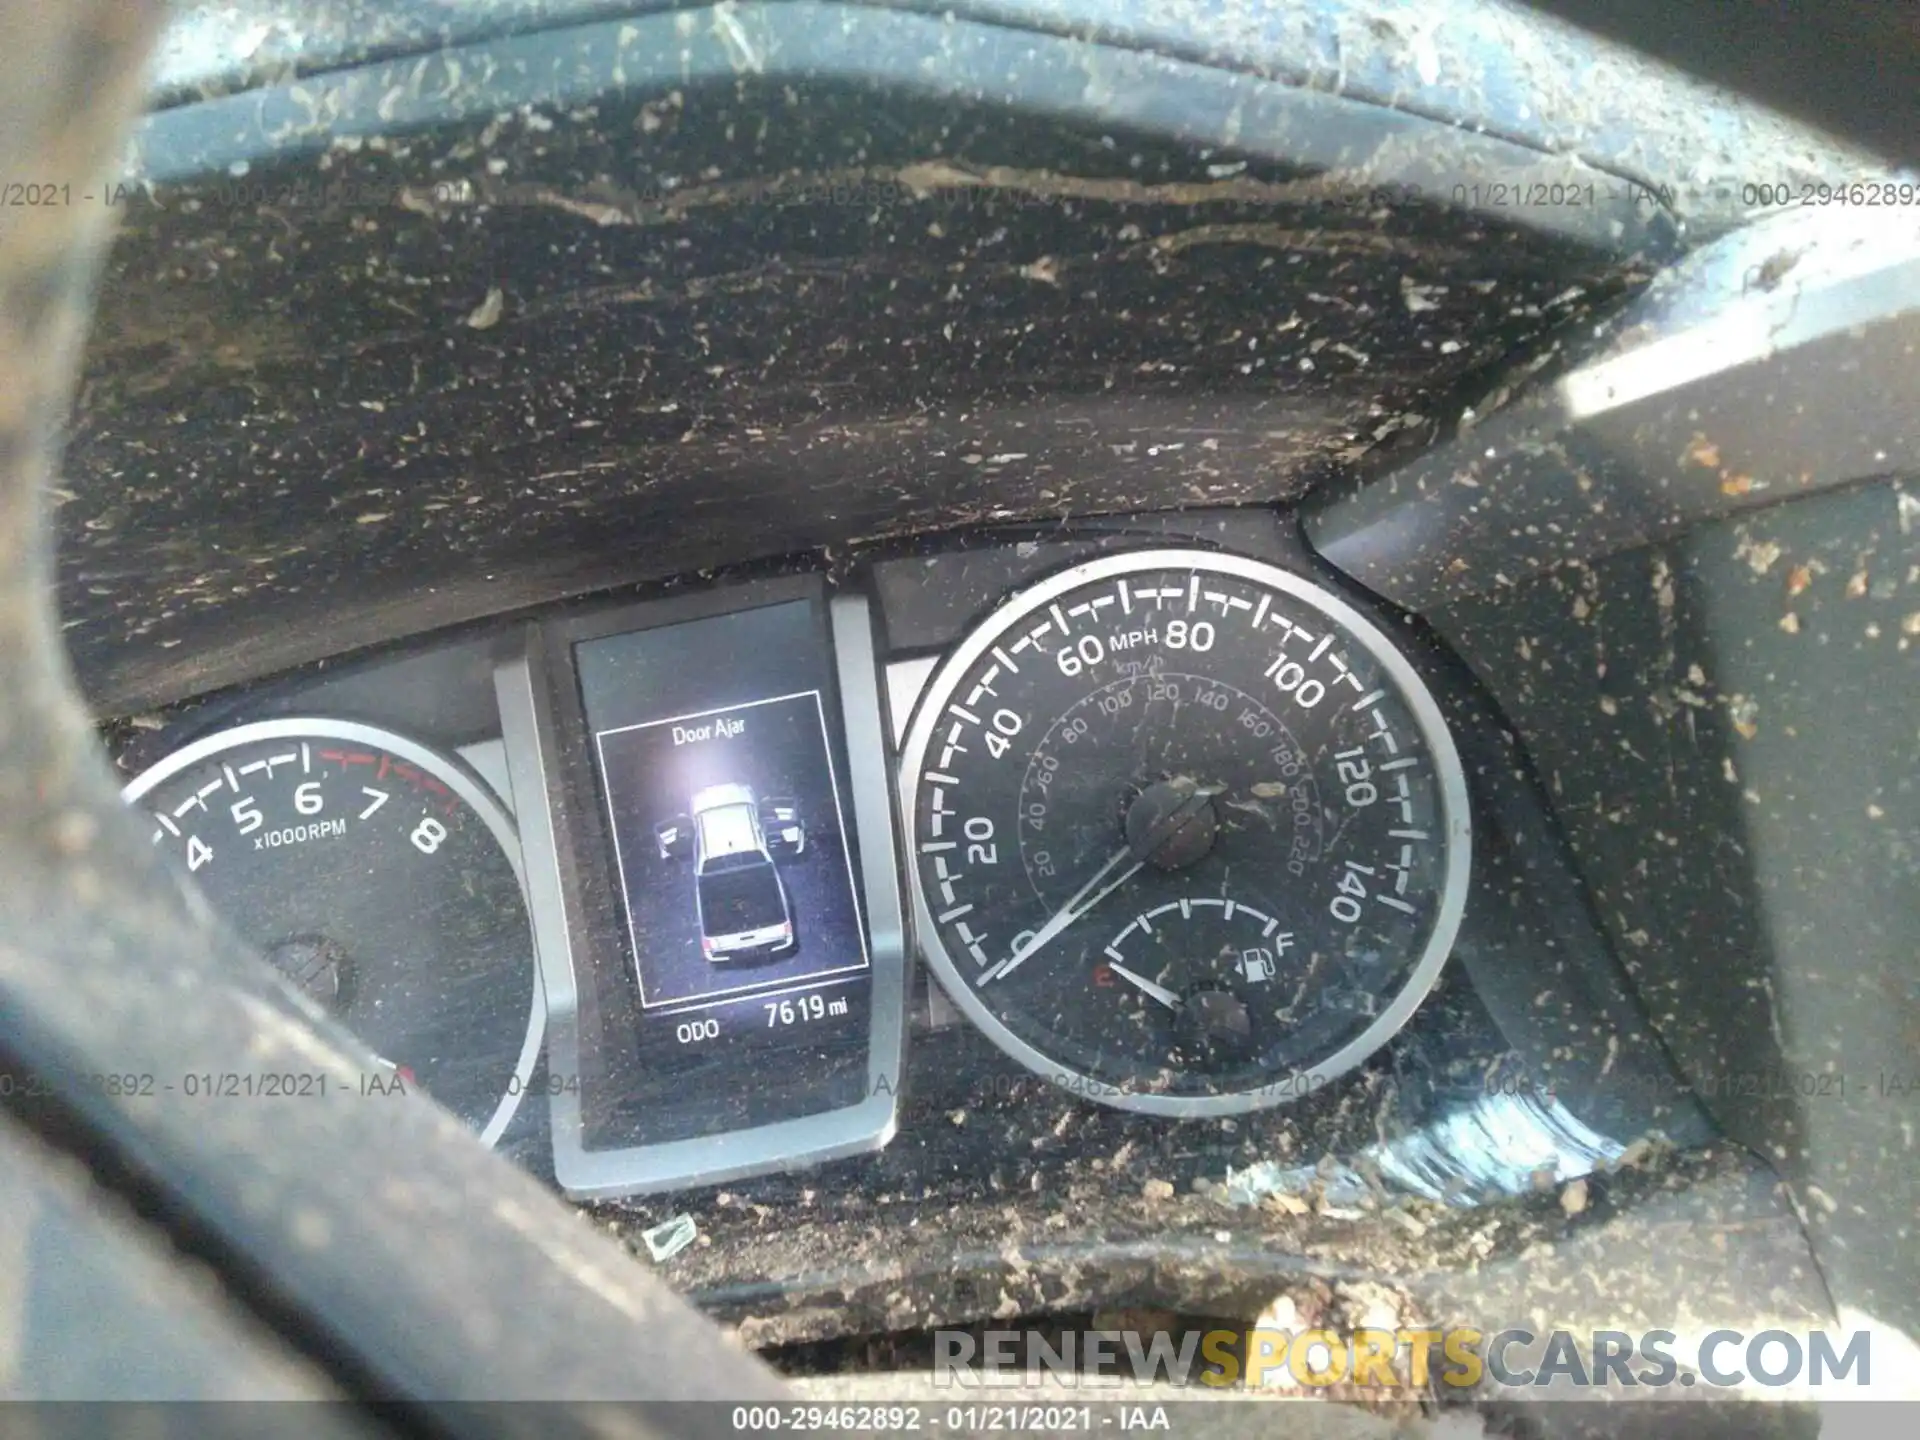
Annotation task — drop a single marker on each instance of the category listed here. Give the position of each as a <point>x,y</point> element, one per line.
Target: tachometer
<point>381,879</point>
<point>1189,833</point>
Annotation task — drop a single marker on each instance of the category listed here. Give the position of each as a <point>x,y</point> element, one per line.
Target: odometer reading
<point>1189,835</point>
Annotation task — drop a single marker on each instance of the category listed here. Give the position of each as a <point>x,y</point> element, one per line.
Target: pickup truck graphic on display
<point>738,894</point>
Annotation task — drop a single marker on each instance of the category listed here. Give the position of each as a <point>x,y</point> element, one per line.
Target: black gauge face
<point>381,880</point>
<point>1188,833</point>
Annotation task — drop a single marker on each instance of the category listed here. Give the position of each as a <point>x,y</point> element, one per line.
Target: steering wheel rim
<point>404,1258</point>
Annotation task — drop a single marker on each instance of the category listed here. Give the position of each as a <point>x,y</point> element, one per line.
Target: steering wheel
<point>371,1251</point>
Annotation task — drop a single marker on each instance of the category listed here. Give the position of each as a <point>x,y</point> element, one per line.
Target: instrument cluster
<point>660,893</point>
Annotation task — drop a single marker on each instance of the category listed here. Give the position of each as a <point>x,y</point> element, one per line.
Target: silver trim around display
<point>443,768</point>
<point>526,722</point>
<point>905,680</point>
<point>488,760</point>
<point>1451,780</point>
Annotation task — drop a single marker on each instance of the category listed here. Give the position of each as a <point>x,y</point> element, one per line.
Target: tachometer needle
<point>1147,987</point>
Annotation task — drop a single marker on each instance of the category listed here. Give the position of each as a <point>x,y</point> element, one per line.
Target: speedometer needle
<point>1188,801</point>
<point>1147,987</point>
<point>1083,900</point>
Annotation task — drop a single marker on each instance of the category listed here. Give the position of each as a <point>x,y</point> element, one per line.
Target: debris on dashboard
<point>669,1237</point>
<point>1498,1144</point>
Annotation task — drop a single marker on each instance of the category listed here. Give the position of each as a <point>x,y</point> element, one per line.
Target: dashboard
<point>1151,836</point>
<point>955,668</point>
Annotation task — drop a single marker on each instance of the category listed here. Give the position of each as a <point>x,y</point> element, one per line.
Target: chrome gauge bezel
<point>450,772</point>
<point>1450,783</point>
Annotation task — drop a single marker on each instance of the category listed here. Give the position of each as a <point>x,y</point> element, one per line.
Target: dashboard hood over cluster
<point>757,279</point>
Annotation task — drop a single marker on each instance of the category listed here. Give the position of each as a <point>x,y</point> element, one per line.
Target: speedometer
<point>382,880</point>
<point>1189,833</point>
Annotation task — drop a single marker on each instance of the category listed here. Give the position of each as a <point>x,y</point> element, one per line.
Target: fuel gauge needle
<point>1145,986</point>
